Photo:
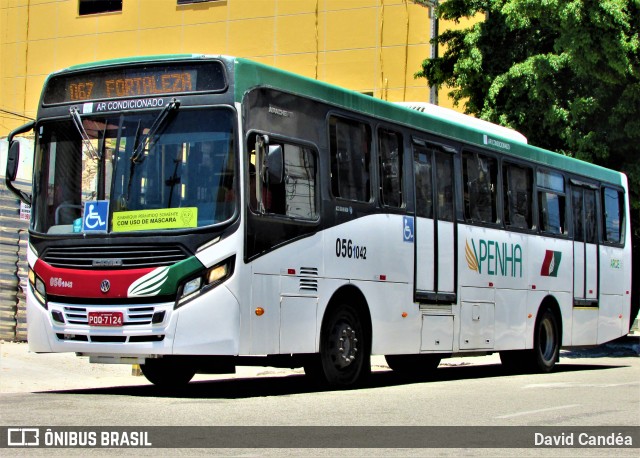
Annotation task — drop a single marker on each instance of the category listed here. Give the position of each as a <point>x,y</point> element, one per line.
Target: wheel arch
<point>351,294</point>
<point>551,303</point>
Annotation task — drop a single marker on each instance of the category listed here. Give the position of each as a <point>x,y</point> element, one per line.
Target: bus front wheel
<point>344,357</point>
<point>168,372</point>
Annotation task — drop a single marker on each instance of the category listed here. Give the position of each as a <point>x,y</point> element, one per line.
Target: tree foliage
<point>565,73</point>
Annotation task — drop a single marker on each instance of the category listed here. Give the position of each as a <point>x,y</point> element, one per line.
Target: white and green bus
<point>195,213</point>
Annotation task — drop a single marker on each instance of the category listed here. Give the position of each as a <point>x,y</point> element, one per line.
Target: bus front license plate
<point>105,318</point>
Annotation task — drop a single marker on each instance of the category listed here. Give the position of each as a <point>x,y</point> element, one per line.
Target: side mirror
<point>13,160</point>
<point>275,164</point>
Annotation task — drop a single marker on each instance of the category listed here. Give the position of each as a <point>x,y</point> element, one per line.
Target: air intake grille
<point>110,257</point>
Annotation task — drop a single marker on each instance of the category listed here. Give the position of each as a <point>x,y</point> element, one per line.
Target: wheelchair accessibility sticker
<point>408,229</point>
<point>96,213</point>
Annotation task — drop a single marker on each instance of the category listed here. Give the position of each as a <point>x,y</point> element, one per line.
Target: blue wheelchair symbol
<point>408,229</point>
<point>95,217</point>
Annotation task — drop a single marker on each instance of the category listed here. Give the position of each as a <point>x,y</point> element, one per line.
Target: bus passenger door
<point>435,256</point>
<point>585,246</point>
<point>585,264</point>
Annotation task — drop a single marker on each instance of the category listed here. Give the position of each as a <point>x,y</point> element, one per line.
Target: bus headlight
<point>191,286</point>
<point>210,278</point>
<point>38,287</point>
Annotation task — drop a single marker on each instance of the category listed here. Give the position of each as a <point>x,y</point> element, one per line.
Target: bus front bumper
<point>206,325</point>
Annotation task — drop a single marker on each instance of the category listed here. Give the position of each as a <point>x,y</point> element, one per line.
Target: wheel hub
<point>347,346</point>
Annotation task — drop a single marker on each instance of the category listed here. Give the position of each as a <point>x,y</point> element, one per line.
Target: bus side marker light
<point>259,311</point>
<point>490,284</point>
<point>530,316</point>
<point>533,286</point>
<point>381,277</point>
<point>405,314</point>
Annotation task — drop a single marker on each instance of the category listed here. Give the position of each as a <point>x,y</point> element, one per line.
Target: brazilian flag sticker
<point>551,263</point>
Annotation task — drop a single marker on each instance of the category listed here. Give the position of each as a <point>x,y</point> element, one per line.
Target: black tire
<point>345,350</point>
<point>546,343</point>
<point>413,365</point>
<point>168,372</point>
<point>546,347</point>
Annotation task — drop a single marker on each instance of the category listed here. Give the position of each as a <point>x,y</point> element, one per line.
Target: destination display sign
<point>135,81</point>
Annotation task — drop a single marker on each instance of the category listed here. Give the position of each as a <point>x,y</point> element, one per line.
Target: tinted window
<point>518,189</point>
<point>423,181</point>
<point>552,212</point>
<point>390,151</point>
<point>613,215</point>
<point>350,146</point>
<point>295,195</point>
<point>444,186</point>
<point>480,185</point>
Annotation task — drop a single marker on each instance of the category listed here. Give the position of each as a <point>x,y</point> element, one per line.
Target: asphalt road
<point>598,387</point>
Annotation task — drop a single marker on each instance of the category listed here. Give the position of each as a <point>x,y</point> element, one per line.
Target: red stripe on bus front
<point>87,283</point>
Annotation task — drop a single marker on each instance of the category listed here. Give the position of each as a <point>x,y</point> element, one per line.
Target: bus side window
<point>350,146</point>
<point>390,157</point>
<point>518,189</point>
<point>444,186</point>
<point>613,204</point>
<point>295,196</point>
<point>480,182</point>
<point>551,202</point>
<point>424,190</point>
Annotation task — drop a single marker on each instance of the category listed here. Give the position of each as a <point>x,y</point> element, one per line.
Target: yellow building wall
<point>373,46</point>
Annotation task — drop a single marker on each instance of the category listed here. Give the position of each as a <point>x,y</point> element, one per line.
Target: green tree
<point>565,73</point>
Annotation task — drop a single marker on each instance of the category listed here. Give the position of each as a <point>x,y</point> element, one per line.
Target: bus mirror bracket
<point>275,164</point>
<point>13,160</point>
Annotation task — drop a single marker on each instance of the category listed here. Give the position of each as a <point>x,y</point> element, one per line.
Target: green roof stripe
<point>250,74</point>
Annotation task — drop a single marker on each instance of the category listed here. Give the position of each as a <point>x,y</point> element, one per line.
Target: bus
<point>194,213</point>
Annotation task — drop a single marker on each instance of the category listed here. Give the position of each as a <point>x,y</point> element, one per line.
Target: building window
<point>86,7</point>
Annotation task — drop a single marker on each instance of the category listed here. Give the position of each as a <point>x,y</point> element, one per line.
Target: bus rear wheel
<point>546,347</point>
<point>168,372</point>
<point>416,365</point>
<point>344,358</point>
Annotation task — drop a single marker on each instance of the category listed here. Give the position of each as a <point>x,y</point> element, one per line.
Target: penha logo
<point>494,258</point>
<point>551,263</point>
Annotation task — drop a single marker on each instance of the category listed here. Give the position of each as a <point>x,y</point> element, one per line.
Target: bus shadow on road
<point>286,385</point>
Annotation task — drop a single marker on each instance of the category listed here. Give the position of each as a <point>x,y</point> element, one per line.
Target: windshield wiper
<point>159,122</point>
<point>139,146</point>
<point>86,141</point>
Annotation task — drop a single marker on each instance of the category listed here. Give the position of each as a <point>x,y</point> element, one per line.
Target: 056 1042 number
<point>347,249</point>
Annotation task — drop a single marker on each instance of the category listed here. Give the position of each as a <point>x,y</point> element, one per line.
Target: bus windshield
<point>146,171</point>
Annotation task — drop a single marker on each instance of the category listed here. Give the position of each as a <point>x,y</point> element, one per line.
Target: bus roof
<point>250,74</point>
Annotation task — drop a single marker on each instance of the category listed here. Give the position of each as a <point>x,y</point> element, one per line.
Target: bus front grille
<point>114,256</point>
